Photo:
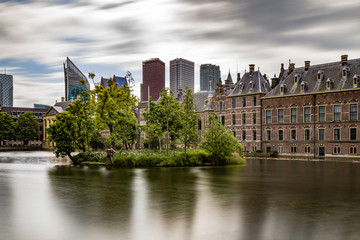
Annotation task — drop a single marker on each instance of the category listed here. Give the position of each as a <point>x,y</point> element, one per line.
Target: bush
<point>89,157</point>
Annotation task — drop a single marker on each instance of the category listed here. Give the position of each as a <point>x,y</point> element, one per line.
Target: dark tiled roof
<point>200,98</point>
<point>330,72</point>
<point>63,105</point>
<point>260,84</point>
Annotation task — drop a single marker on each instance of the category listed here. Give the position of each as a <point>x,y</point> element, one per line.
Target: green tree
<point>62,132</point>
<point>188,132</point>
<point>27,128</point>
<point>219,141</point>
<point>154,132</point>
<point>7,127</point>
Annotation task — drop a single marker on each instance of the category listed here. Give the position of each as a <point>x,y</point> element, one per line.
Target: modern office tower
<point>153,79</point>
<point>209,72</point>
<point>121,81</point>
<point>72,77</point>
<point>181,75</point>
<point>6,90</point>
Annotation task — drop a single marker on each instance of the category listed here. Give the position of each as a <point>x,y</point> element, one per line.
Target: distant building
<point>121,81</point>
<point>181,74</point>
<point>6,90</point>
<point>72,77</point>
<point>153,79</point>
<point>41,106</point>
<point>209,72</point>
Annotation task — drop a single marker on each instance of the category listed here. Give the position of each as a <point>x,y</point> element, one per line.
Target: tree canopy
<point>27,128</point>
<point>7,127</point>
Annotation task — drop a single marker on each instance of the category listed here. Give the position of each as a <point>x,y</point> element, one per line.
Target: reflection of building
<point>209,74</point>
<point>15,114</point>
<point>181,75</point>
<point>153,79</point>
<point>6,90</point>
<point>49,118</point>
<point>310,111</point>
<point>119,80</point>
<point>72,77</point>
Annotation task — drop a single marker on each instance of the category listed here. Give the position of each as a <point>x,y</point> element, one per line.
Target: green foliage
<point>62,132</point>
<point>98,157</point>
<point>7,127</point>
<point>219,141</point>
<point>96,141</point>
<point>27,128</point>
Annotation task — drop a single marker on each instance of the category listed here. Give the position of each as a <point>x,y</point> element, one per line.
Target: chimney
<point>265,76</point>
<point>274,81</point>
<point>251,68</point>
<point>62,99</point>
<point>307,65</point>
<point>291,67</point>
<point>344,59</point>
<point>282,67</point>
<point>238,78</point>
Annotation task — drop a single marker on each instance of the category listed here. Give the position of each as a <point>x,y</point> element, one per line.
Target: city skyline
<point>227,33</point>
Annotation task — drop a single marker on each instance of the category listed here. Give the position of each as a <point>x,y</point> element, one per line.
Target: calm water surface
<point>42,198</point>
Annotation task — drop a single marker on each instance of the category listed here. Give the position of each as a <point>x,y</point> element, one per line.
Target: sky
<point>113,37</point>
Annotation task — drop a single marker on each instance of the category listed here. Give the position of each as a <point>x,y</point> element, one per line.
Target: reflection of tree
<point>94,194</point>
<point>172,191</point>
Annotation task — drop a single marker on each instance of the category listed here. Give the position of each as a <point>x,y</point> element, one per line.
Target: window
<point>307,149</point>
<point>321,134</point>
<point>268,116</point>
<point>336,150</point>
<point>353,150</point>
<point>353,112</point>
<point>233,102</point>
<point>280,149</point>
<point>233,118</point>
<point>293,134</point>
<point>293,115</point>
<point>220,106</point>
<point>293,149</point>
<point>337,112</point>
<point>254,118</point>
<point>281,135</point>
<point>352,134</point>
<point>336,134</point>
<point>199,124</point>
<point>268,135</point>
<point>223,120</point>
<point>307,114</point>
<point>244,101</point>
<point>254,101</point>
<point>307,134</point>
<point>280,115</point>
<point>234,133</point>
<point>344,73</point>
<point>322,114</point>
<point>243,135</point>
<point>254,134</point>
<point>243,118</point>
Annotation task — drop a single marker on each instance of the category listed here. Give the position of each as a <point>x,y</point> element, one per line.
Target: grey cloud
<point>115,5</point>
<point>127,47</point>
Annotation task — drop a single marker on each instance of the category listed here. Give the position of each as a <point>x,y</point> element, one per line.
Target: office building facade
<point>181,75</point>
<point>72,77</point>
<point>153,79</point>
<point>209,75</point>
<point>6,90</point>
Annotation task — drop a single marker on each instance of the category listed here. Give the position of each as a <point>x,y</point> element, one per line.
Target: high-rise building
<point>72,80</point>
<point>209,74</point>
<point>6,90</point>
<point>181,74</point>
<point>153,79</point>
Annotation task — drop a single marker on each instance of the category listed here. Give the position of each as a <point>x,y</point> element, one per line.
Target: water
<point>41,198</point>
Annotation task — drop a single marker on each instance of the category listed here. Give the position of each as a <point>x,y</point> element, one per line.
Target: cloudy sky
<point>107,37</point>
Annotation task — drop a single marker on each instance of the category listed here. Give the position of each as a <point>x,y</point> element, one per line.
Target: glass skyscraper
<point>72,79</point>
<point>209,72</point>
<point>181,75</point>
<point>6,90</point>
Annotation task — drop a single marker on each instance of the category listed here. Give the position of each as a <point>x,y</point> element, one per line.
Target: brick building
<point>153,79</point>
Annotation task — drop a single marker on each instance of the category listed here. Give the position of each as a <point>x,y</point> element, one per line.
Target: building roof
<point>251,83</point>
<point>200,100</point>
<point>307,81</point>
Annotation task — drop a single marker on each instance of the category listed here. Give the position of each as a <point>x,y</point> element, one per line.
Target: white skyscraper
<point>181,74</point>
<point>6,90</point>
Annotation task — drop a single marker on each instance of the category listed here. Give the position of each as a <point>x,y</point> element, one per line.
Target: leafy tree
<point>62,132</point>
<point>188,132</point>
<point>219,141</point>
<point>153,129</point>
<point>97,141</point>
<point>7,127</point>
<point>126,128</point>
<point>27,128</point>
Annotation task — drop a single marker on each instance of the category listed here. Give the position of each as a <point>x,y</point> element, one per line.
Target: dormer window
<point>355,81</point>
<point>241,86</point>
<point>319,75</point>
<point>329,83</point>
<point>283,88</point>
<point>304,86</point>
<point>252,84</point>
<point>297,78</point>
<point>345,71</point>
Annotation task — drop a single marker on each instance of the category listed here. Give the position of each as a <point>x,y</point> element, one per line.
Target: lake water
<point>42,198</point>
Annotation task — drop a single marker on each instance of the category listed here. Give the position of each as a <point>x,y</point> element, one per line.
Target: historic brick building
<point>308,111</point>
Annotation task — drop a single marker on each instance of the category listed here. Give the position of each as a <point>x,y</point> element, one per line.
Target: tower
<point>209,74</point>
<point>6,90</point>
<point>181,74</point>
<point>153,79</point>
